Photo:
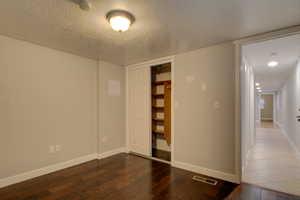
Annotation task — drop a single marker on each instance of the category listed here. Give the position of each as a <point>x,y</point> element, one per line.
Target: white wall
<point>47,97</point>
<point>249,109</point>
<point>289,107</point>
<point>112,131</point>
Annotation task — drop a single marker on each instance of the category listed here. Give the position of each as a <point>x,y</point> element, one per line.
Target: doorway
<point>161,89</point>
<point>266,107</point>
<point>270,90</point>
<point>150,109</point>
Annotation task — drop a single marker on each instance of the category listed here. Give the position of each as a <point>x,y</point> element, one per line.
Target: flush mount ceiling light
<point>257,84</point>
<point>258,88</point>
<point>272,63</point>
<point>120,20</point>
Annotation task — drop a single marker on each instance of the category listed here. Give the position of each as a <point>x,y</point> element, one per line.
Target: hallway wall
<point>248,109</point>
<point>289,107</point>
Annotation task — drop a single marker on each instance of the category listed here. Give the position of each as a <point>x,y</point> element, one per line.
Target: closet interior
<point>161,111</point>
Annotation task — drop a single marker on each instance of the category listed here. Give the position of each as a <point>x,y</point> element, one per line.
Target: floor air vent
<point>205,180</point>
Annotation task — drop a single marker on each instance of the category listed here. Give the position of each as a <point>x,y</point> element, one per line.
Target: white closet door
<point>139,105</point>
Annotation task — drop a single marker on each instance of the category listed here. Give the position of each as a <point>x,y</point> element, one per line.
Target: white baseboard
<point>45,170</point>
<point>112,152</point>
<point>208,172</point>
<point>289,140</point>
<point>247,159</point>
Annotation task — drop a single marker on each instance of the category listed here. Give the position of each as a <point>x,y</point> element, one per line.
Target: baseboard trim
<point>208,172</point>
<point>289,140</point>
<point>247,159</point>
<point>45,170</point>
<point>112,152</point>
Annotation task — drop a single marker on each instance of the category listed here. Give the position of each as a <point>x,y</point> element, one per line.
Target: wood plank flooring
<point>129,177</point>
<point>120,177</point>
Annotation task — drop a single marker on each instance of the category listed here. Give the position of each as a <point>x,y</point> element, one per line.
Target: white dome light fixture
<point>120,20</point>
<point>272,64</point>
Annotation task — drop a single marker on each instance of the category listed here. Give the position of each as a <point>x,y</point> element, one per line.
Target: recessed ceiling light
<point>258,88</point>
<point>257,84</point>
<point>272,63</point>
<point>120,20</point>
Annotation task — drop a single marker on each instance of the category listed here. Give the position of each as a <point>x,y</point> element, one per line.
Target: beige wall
<point>111,107</point>
<point>204,108</point>
<point>267,110</point>
<point>47,97</point>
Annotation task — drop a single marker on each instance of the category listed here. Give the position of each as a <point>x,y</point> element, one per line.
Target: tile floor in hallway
<point>273,163</point>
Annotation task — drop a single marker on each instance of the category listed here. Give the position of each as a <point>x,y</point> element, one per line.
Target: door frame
<point>151,63</point>
<point>289,31</point>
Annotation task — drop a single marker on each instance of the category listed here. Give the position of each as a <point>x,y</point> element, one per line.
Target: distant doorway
<point>266,107</point>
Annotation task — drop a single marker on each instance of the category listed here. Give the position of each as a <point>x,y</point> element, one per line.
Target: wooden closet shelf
<point>158,119</point>
<point>161,82</point>
<point>158,132</point>
<point>158,95</point>
<point>159,107</point>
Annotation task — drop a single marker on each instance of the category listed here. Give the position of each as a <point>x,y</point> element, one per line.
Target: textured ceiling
<point>162,27</point>
<point>259,54</point>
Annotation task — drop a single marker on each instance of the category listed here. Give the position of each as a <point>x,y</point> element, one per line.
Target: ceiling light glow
<point>258,88</point>
<point>272,63</point>
<point>120,20</point>
<point>257,84</point>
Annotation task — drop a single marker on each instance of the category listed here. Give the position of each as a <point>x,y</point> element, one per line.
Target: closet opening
<point>161,111</point>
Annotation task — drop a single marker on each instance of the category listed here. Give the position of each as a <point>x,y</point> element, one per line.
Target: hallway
<point>272,163</point>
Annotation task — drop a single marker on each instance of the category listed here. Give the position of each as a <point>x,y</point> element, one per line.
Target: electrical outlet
<point>58,148</point>
<point>51,149</point>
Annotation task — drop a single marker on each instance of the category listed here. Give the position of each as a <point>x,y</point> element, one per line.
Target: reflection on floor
<point>161,154</point>
<point>252,192</point>
<point>273,163</point>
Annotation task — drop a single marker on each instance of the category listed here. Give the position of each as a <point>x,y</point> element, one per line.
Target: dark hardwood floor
<point>252,192</point>
<point>129,177</point>
<point>164,155</point>
<point>120,177</point>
